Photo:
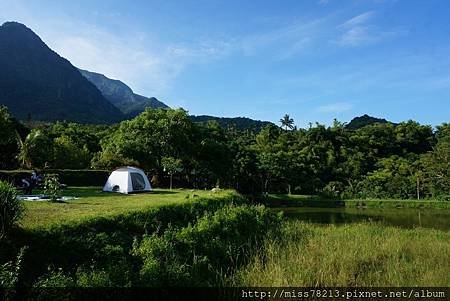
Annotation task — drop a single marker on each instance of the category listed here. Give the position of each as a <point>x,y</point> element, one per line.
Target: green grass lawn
<point>93,202</point>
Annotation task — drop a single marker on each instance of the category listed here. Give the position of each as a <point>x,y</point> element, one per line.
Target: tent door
<point>137,181</point>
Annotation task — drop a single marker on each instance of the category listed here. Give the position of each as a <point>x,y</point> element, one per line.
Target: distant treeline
<point>384,160</point>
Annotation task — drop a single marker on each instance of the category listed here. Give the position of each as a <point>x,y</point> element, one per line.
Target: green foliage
<point>54,279</point>
<point>287,122</point>
<point>198,255</point>
<point>109,160</point>
<point>11,209</point>
<point>9,144</point>
<point>10,272</point>
<point>150,136</point>
<point>333,190</point>
<point>37,150</point>
<point>236,123</point>
<point>437,165</point>
<point>362,121</point>
<point>52,186</point>
<point>379,159</point>
<point>97,246</point>
<point>68,155</point>
<point>171,166</point>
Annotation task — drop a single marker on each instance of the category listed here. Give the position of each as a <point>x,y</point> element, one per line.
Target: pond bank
<point>284,200</point>
<point>404,218</point>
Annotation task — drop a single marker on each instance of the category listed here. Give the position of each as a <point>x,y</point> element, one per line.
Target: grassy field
<point>277,200</point>
<point>363,254</point>
<point>93,202</point>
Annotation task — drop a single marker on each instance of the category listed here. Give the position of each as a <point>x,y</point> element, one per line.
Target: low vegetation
<point>195,239</point>
<point>11,209</point>
<point>365,254</point>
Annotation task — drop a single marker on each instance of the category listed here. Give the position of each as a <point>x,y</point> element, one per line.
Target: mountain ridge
<point>241,123</point>
<point>37,83</point>
<point>121,95</point>
<point>364,120</point>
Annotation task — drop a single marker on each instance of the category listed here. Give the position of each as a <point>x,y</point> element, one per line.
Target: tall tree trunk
<point>170,181</point>
<point>418,188</point>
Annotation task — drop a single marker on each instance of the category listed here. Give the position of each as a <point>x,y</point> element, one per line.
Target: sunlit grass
<point>364,254</point>
<point>93,202</point>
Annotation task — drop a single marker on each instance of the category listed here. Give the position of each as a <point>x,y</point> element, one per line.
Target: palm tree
<point>287,122</point>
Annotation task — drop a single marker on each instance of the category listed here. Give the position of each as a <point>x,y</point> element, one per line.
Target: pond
<point>406,218</point>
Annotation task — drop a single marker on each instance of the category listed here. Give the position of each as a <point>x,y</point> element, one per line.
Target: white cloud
<point>356,36</point>
<point>145,64</point>
<point>289,39</point>
<point>358,31</point>
<point>359,19</point>
<point>338,107</point>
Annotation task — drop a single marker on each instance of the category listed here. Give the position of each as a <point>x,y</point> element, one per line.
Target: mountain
<point>241,123</point>
<point>120,95</point>
<point>36,82</point>
<point>362,121</point>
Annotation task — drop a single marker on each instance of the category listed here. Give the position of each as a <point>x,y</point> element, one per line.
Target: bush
<point>52,186</point>
<point>333,190</point>
<point>10,271</point>
<point>200,254</point>
<point>11,209</point>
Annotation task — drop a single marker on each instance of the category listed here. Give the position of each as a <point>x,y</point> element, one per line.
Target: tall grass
<point>363,254</point>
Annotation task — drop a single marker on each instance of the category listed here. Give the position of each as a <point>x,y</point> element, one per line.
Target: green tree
<point>69,155</point>
<point>11,209</point>
<point>37,150</point>
<point>437,168</point>
<point>287,122</point>
<point>151,136</point>
<point>171,166</point>
<point>9,140</point>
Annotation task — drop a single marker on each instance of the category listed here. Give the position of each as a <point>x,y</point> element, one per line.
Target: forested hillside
<point>240,123</point>
<point>121,96</point>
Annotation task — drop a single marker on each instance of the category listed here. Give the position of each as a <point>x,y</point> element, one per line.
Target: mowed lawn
<point>93,202</point>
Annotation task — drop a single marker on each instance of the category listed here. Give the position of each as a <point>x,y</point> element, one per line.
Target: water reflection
<point>407,218</point>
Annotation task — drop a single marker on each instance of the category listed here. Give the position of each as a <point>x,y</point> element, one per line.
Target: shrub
<point>200,254</point>
<point>10,271</point>
<point>55,279</point>
<point>333,190</point>
<point>11,209</point>
<point>52,186</point>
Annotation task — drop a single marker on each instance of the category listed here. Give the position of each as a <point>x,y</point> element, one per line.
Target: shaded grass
<point>364,254</point>
<point>95,203</point>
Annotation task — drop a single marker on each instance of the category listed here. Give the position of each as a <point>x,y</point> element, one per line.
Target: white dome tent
<point>126,180</point>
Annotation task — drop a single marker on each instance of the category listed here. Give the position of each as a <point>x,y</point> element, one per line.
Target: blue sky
<point>315,60</point>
